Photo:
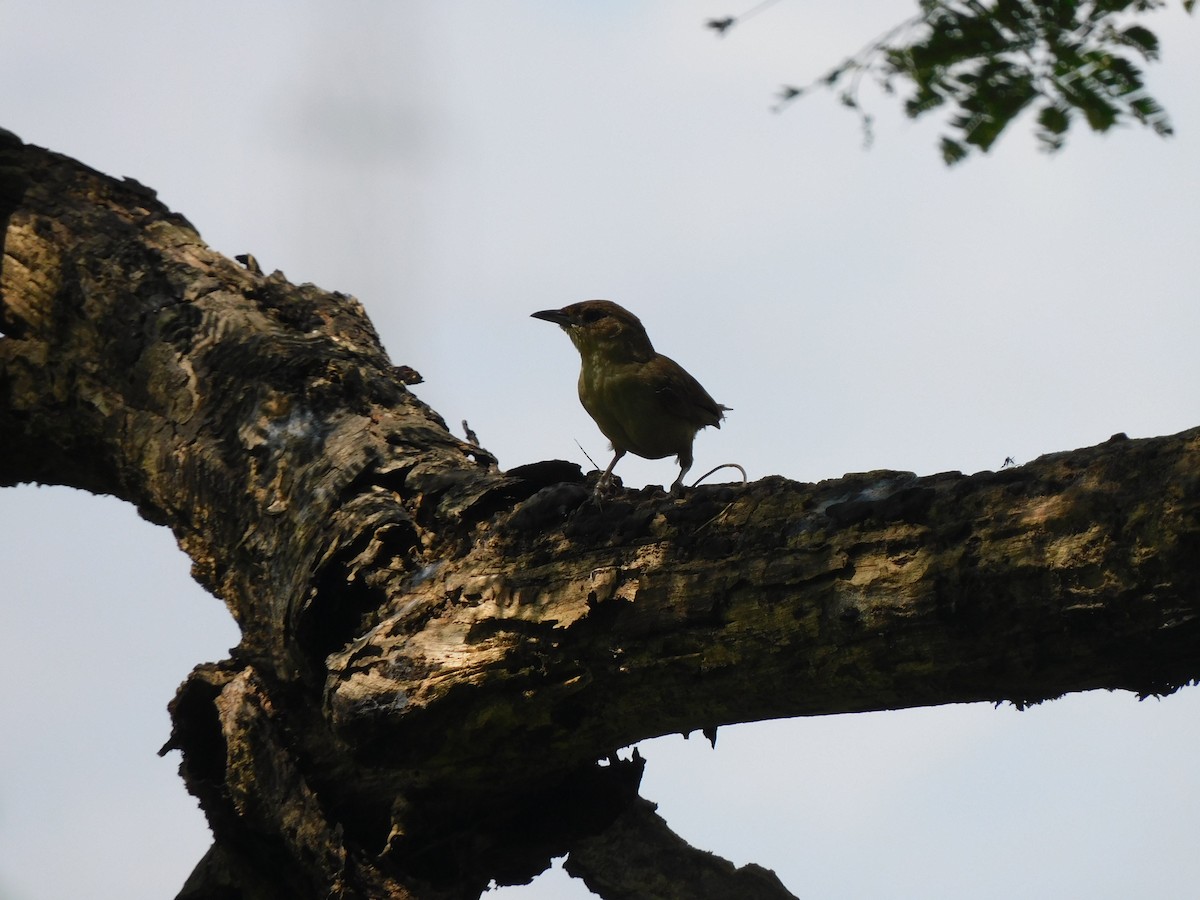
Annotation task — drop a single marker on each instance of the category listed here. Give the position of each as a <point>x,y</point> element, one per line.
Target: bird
<point>644,403</point>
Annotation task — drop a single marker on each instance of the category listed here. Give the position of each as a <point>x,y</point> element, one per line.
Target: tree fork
<point>439,660</point>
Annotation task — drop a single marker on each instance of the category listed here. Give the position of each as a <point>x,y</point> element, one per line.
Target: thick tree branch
<point>639,858</point>
<point>435,654</point>
<point>875,591</point>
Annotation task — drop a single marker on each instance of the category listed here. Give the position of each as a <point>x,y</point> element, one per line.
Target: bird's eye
<point>593,315</point>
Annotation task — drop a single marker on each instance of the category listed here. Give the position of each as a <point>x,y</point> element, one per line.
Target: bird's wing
<point>680,391</point>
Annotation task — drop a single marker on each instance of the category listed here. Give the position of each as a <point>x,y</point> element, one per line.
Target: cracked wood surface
<point>436,654</point>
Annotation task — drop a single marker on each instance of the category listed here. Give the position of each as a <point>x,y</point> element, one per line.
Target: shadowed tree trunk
<point>440,660</point>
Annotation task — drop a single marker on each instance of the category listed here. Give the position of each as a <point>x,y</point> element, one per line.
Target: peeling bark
<point>439,660</point>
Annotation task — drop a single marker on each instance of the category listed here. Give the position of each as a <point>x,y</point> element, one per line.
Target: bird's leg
<point>685,463</point>
<point>606,478</point>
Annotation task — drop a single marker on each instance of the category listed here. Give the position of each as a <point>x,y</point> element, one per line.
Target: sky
<point>459,166</point>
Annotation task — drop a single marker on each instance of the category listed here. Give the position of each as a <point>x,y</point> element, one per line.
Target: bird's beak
<point>557,316</point>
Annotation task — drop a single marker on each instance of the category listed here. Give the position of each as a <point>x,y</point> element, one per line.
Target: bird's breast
<point>635,406</point>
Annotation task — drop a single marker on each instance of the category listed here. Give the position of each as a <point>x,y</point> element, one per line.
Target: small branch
<point>639,858</point>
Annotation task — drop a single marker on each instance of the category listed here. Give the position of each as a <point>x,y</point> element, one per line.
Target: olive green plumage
<point>644,402</point>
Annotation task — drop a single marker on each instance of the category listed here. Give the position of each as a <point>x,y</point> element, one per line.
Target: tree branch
<point>874,591</point>
<point>639,858</point>
<point>435,654</point>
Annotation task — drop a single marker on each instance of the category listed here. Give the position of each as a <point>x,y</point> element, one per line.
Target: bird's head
<point>602,328</point>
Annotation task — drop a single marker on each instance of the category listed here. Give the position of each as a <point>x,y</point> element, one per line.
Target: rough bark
<point>639,858</point>
<point>439,660</point>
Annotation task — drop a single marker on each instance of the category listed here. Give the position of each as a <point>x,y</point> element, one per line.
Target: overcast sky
<point>459,165</point>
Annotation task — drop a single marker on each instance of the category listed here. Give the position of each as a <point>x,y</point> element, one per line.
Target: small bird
<point>644,402</point>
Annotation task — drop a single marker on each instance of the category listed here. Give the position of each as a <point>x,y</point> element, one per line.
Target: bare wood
<point>435,654</point>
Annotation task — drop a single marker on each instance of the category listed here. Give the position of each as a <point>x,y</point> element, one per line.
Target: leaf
<point>1100,114</point>
<point>787,93</point>
<point>922,102</point>
<point>830,78</point>
<point>1054,119</point>
<point>1141,39</point>
<point>1053,122</point>
<point>952,151</point>
<point>987,61</point>
<point>1147,111</point>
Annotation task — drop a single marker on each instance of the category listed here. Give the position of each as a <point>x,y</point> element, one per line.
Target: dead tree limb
<point>439,659</point>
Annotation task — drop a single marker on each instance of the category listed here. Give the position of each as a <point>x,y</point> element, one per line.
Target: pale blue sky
<point>458,166</point>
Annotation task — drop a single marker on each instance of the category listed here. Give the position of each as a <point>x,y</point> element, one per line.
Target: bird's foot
<point>606,486</point>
